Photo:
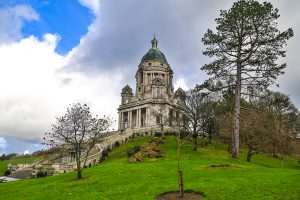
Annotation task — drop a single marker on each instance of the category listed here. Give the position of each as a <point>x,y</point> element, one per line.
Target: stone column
<point>137,118</point>
<point>147,115</point>
<point>130,118</point>
<point>122,120</point>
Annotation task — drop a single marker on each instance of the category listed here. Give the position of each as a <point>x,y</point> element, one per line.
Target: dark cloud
<point>122,32</point>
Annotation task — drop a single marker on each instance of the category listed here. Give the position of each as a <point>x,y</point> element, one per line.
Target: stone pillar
<point>137,118</point>
<point>147,116</point>
<point>122,120</point>
<point>130,118</point>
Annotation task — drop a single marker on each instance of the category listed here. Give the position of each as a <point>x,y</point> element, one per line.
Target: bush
<point>7,172</point>
<point>134,150</point>
<point>116,144</point>
<point>157,134</point>
<point>41,174</point>
<point>170,133</point>
<point>104,153</point>
<point>184,134</point>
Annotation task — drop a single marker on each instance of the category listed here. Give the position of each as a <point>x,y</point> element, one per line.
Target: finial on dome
<point>154,42</point>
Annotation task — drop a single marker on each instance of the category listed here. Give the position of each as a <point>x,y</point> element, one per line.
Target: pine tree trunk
<point>236,116</point>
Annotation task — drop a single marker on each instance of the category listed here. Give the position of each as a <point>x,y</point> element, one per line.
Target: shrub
<point>108,149</point>
<point>117,143</point>
<point>170,133</point>
<point>157,134</point>
<point>134,150</point>
<point>184,134</point>
<point>41,174</point>
<point>104,154</point>
<point>7,172</point>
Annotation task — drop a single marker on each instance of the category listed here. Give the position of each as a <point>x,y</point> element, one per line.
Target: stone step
<point>21,174</point>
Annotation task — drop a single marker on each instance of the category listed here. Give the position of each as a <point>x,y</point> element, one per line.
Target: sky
<point>55,53</point>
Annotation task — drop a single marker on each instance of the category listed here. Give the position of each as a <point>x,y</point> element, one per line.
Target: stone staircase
<point>53,165</point>
<point>21,174</point>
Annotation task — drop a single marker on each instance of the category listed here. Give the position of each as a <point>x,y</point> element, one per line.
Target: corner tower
<point>153,100</point>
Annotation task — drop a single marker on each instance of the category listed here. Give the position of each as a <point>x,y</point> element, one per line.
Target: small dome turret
<point>127,90</point>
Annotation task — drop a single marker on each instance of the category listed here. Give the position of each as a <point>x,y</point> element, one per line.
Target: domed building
<point>153,101</point>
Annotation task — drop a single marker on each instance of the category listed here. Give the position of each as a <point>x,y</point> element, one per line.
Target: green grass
<point>116,178</point>
<point>3,164</point>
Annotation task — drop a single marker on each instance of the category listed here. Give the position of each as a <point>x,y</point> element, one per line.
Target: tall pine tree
<point>245,48</point>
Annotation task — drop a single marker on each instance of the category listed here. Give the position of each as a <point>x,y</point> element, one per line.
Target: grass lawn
<point>116,178</point>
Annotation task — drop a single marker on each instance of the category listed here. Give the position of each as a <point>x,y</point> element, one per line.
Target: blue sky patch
<point>67,18</point>
<point>15,145</point>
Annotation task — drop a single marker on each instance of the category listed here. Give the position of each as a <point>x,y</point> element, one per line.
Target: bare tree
<point>79,130</point>
<point>197,110</point>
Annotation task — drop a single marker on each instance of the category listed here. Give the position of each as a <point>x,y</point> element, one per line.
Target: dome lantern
<point>154,42</point>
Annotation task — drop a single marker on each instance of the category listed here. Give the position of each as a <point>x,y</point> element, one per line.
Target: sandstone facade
<point>153,101</point>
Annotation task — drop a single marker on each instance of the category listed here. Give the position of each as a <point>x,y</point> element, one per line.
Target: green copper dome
<point>154,53</point>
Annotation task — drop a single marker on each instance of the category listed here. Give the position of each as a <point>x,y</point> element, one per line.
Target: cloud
<point>34,88</point>
<point>3,145</point>
<point>93,5</point>
<point>36,83</point>
<point>26,152</point>
<point>12,19</point>
<point>180,83</point>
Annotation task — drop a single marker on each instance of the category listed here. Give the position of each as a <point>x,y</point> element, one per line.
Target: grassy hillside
<point>116,178</point>
<point>3,164</point>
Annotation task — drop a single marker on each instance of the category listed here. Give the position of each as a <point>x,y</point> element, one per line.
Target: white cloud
<point>37,84</point>
<point>12,20</point>
<point>26,152</point>
<point>3,145</point>
<point>93,5</point>
<point>25,12</point>
<point>35,88</point>
<point>180,83</point>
